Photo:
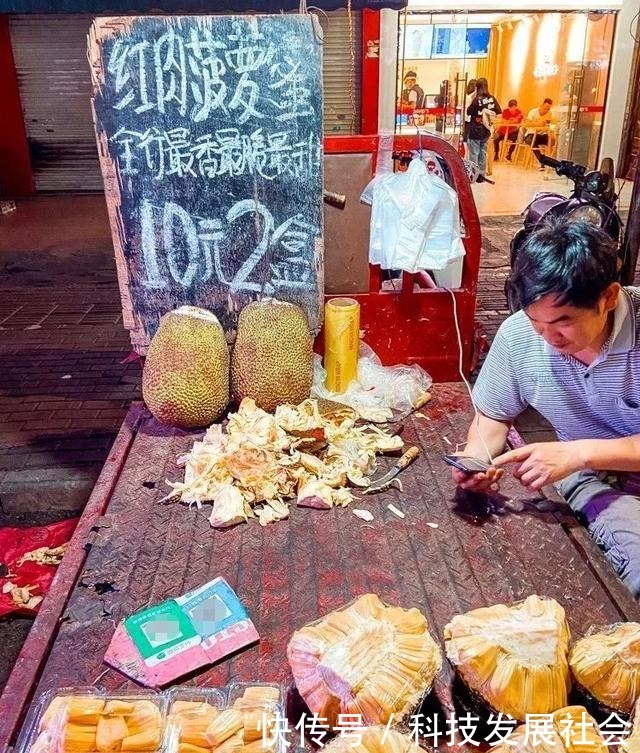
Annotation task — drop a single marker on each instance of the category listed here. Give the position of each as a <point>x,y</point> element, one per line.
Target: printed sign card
<point>159,644</point>
<point>209,132</point>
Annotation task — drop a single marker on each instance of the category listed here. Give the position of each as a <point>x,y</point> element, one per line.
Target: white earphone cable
<point>462,376</point>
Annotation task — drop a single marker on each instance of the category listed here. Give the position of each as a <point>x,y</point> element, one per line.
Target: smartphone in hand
<point>466,464</point>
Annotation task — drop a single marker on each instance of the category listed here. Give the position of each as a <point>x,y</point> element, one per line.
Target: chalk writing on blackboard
<point>228,151</point>
<point>203,239</point>
<point>209,131</point>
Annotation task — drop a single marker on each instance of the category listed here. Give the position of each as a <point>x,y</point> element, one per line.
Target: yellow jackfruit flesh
<point>606,664</point>
<point>568,730</point>
<point>366,659</point>
<point>272,359</point>
<point>513,657</point>
<point>86,724</point>
<point>185,381</point>
<point>110,733</point>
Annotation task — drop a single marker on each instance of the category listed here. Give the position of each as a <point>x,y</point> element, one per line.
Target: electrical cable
<point>464,379</point>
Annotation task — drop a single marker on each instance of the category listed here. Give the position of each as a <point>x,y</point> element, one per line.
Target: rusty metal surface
<point>297,570</point>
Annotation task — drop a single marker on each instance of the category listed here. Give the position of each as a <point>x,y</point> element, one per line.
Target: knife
<point>384,482</point>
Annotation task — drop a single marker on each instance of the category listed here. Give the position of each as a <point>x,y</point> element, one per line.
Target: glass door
<point>584,88</point>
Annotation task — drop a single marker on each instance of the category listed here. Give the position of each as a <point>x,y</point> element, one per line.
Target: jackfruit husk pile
<point>246,727</point>
<point>85,724</point>
<point>513,658</point>
<point>259,461</point>
<point>368,659</point>
<point>606,665</point>
<point>374,740</point>
<point>572,730</point>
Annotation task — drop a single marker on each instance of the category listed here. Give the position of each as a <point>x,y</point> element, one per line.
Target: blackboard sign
<point>209,131</point>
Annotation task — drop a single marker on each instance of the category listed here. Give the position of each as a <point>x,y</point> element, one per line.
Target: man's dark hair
<point>547,101</point>
<point>409,74</point>
<point>513,103</point>
<point>575,261</point>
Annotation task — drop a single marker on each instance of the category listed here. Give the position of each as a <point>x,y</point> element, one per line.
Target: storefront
<point>50,57</point>
<point>530,57</point>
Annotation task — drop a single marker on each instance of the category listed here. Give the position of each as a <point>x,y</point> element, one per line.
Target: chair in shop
<point>524,153</point>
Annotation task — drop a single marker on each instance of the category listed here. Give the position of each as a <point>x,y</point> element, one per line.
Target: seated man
<point>539,122</point>
<point>512,117</point>
<point>573,353</point>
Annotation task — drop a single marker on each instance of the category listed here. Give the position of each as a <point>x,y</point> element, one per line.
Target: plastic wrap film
<point>380,393</point>
<point>366,659</point>
<point>374,740</point>
<point>606,665</point>
<point>341,342</point>
<point>573,731</point>
<point>513,658</point>
<point>88,720</point>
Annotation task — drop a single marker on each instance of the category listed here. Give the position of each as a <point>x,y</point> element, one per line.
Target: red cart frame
<point>416,324</point>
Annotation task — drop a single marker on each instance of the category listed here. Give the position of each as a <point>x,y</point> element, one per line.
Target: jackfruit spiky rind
<point>272,359</point>
<point>185,382</point>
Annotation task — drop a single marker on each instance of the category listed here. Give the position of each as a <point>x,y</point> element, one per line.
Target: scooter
<point>593,199</point>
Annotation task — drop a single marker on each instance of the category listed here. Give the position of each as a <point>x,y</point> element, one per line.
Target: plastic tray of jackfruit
<point>240,717</point>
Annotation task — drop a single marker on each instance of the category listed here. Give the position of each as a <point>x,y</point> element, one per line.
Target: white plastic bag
<point>380,392</point>
<point>415,220</point>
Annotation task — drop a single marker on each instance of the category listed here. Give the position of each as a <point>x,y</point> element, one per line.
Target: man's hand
<point>543,463</point>
<point>478,482</point>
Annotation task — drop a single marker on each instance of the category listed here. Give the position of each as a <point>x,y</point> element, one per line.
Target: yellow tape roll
<point>341,342</point>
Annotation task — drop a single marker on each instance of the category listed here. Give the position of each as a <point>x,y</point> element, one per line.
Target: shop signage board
<point>209,132</point>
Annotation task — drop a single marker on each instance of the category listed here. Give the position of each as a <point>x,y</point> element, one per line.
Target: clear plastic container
<point>192,711</point>
<point>84,720</point>
<point>241,717</point>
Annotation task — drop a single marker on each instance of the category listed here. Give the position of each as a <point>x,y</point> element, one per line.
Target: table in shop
<point>295,571</point>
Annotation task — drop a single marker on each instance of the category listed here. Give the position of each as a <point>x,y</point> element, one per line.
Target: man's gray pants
<point>610,508</point>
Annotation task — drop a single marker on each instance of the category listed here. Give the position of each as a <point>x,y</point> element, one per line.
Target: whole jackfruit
<point>513,658</point>
<point>606,665</point>
<point>185,381</point>
<point>272,359</point>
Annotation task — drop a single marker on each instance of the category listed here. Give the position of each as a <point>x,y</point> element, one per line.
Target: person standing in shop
<point>470,93</point>
<point>482,112</point>
<point>412,94</point>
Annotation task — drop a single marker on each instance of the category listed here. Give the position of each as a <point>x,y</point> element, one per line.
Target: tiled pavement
<point>63,388</point>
